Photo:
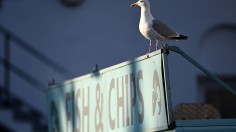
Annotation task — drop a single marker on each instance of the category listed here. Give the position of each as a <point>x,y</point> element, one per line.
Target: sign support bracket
<point>196,64</point>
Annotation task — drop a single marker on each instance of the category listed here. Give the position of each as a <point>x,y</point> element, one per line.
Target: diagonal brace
<point>191,60</point>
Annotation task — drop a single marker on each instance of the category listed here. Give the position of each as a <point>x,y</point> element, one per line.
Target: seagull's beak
<point>134,4</point>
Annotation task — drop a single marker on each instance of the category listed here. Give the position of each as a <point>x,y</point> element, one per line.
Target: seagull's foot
<point>147,55</point>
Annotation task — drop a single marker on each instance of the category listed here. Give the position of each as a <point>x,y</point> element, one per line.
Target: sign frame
<point>66,86</point>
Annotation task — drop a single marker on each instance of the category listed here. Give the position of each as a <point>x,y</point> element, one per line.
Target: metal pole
<point>215,78</point>
<point>167,88</point>
<point>6,65</point>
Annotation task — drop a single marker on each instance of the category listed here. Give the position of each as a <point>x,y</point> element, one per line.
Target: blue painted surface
<point>206,125</point>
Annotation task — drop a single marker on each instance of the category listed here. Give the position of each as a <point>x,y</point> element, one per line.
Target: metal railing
<point>9,67</point>
<point>8,99</point>
<point>200,67</point>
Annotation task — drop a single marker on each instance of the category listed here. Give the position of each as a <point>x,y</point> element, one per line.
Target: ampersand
<point>98,111</point>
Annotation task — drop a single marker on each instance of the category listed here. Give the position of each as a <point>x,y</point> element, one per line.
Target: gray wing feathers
<point>162,29</point>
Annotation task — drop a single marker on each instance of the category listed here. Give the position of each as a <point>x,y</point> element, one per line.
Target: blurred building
<point>41,41</point>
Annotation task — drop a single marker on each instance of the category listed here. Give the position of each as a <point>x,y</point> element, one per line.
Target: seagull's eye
<point>141,1</point>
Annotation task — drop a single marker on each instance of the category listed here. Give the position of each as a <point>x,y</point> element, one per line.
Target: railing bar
<point>6,64</point>
<point>209,74</point>
<point>34,52</point>
<point>28,105</point>
<point>41,57</point>
<point>30,79</point>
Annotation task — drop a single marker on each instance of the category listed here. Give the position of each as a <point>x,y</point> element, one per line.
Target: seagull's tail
<point>179,37</point>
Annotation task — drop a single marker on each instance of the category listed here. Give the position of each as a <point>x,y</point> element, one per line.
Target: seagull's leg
<point>156,44</point>
<point>149,48</point>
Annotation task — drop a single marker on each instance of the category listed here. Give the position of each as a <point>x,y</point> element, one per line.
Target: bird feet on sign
<point>147,55</point>
<point>165,46</point>
<point>156,44</point>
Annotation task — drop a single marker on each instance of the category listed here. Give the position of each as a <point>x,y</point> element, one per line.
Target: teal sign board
<point>126,97</point>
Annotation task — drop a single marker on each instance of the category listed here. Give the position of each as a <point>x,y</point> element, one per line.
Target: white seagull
<point>152,29</point>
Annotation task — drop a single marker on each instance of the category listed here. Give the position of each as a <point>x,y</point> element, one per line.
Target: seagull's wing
<point>162,29</point>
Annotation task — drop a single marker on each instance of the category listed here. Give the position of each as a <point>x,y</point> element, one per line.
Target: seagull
<point>152,29</point>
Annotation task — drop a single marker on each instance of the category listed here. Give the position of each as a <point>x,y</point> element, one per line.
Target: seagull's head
<point>141,3</point>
